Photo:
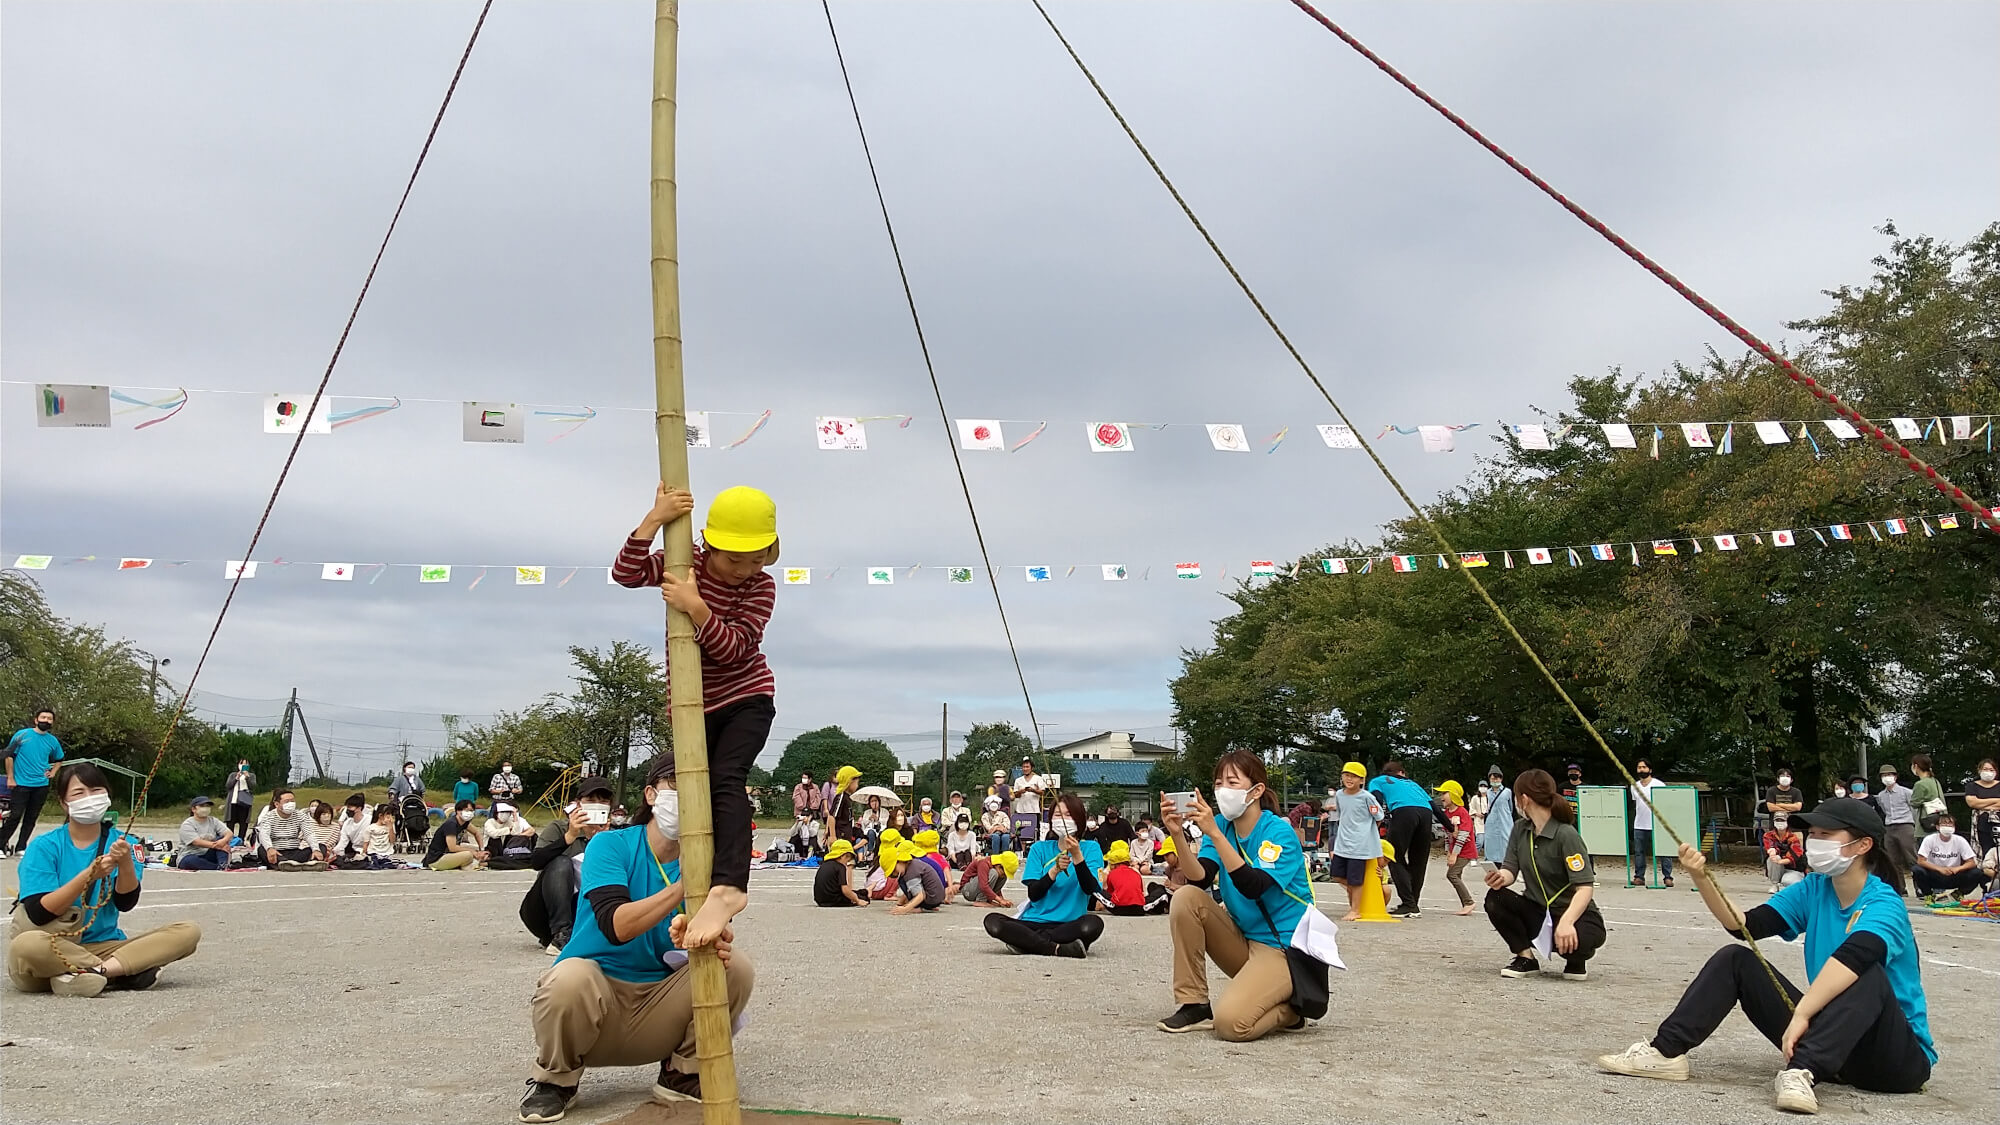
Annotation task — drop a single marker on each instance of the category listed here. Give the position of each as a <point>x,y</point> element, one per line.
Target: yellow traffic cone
<point>1374,907</point>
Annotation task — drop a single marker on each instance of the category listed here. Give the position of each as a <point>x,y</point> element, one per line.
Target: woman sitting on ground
<point>961,846</point>
<point>1059,874</point>
<point>204,839</point>
<point>75,883</point>
<point>510,839</point>
<point>620,993</point>
<point>350,848</point>
<point>1861,1020</point>
<point>455,845</point>
<point>1546,856</point>
<point>1266,908</point>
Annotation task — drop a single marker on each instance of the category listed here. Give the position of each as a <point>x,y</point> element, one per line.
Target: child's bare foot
<point>722,904</point>
<point>1464,910</point>
<point>1351,916</point>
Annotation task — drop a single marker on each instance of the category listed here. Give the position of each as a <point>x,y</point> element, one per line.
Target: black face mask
<point>1576,779</point>
<point>43,725</point>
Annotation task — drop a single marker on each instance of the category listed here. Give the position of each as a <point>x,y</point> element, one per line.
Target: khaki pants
<point>452,861</point>
<point>583,1018</point>
<point>33,956</point>
<point>1257,1001</point>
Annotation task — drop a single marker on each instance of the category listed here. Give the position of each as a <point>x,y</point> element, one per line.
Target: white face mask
<point>409,771</point>
<point>288,807</point>
<point>90,808</point>
<point>1784,781</point>
<point>503,817</point>
<point>464,815</point>
<point>1063,826</point>
<point>201,812</point>
<point>1986,775</point>
<point>667,813</point>
<point>1888,779</point>
<point>1231,803</point>
<point>1945,831</point>
<point>1824,857</point>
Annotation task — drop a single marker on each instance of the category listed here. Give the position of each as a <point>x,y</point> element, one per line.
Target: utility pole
<point>944,753</point>
<point>285,732</point>
<point>319,767</point>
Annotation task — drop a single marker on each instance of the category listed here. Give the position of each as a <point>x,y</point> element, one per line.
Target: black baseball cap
<point>591,785</point>
<point>1843,812</point>
<point>201,801</point>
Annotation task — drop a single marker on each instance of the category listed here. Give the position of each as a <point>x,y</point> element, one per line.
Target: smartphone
<point>596,814</point>
<point>1183,801</point>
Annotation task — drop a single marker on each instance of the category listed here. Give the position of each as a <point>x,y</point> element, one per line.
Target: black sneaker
<point>136,982</point>
<point>1405,911</point>
<point>546,1101</point>
<point>1576,968</point>
<point>676,1086</point>
<point>1074,949</point>
<point>1189,1017</point>
<point>1521,967</point>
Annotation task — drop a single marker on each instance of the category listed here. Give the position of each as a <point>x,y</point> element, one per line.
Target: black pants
<point>285,855</point>
<point>557,884</point>
<point>1041,938</point>
<point>238,820</point>
<point>1518,920</point>
<point>24,807</point>
<point>1860,1039</point>
<point>1410,835</point>
<point>736,735</point>
<point>1929,882</point>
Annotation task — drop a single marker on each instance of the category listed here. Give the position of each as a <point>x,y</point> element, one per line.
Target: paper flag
<point>1664,547</point>
<point>1573,559</point>
<point>1472,558</point>
<point>70,406</point>
<point>1437,439</point>
<point>33,562</point>
<point>1227,438</point>
<point>881,576</point>
<point>1948,522</point>
<point>1039,574</point>
<point>284,414</point>
<point>1635,554</point>
<point>1906,428</point>
<point>1725,542</point>
<point>981,434</point>
<point>499,423</point>
<point>531,575</point>
<point>233,568</point>
<point>1961,427</point>
<point>1339,437</point>
<point>336,572</point>
<point>1404,564</point>
<point>1187,570</point>
<point>1842,429</point>
<point>1540,556</point>
<point>959,574</point>
<point>1655,451</point>
<point>1896,527</point>
<point>1333,566</point>
<point>1263,568</point>
<point>1728,439</point>
<point>1783,539</point>
<point>798,576</point>
<point>698,433</point>
<point>1507,559</point>
<point>1772,433</point>
<point>1696,544</point>
<point>1109,437</point>
<point>1840,531</point>
<point>1603,552</point>
<point>1696,435</point>
<point>433,573</point>
<point>1618,435</point>
<point>841,434</point>
<point>1531,436</point>
<point>134,564</point>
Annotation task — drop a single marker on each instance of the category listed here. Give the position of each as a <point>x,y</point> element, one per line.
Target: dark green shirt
<point>1549,865</point>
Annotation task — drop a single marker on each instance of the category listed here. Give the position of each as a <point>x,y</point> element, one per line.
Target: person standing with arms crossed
<point>1899,816</point>
<point>31,758</point>
<point>1642,828</point>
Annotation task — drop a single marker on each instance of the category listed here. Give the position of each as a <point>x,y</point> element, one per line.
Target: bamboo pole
<point>713,1052</point>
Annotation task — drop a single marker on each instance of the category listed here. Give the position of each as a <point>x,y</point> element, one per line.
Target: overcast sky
<point>191,192</point>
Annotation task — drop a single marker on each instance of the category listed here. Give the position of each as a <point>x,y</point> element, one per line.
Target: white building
<point>1112,746</point>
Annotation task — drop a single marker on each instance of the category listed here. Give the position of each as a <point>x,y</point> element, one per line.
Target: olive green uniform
<point>1548,867</point>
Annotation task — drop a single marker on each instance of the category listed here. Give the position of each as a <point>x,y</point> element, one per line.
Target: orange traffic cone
<point>1374,908</point>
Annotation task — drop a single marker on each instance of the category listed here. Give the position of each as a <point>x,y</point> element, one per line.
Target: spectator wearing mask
<point>1857,788</point>
<point>1499,825</point>
<point>1060,874</point>
<point>927,817</point>
<point>804,838</point>
<point>1784,853</point>
<point>1145,839</point>
<point>998,826</point>
<point>1946,863</point>
<point>1927,796</point>
<point>506,786</point>
<point>871,823</point>
<point>806,797</point>
<point>350,849</point>
<point>833,883</point>
<point>1862,1019</point>
<point>510,839</point>
<point>1899,817</point>
<point>999,788</point>
<point>1459,848</point>
<point>549,907</point>
<point>961,844</point>
<point>1573,780</point>
<point>466,789</point>
<point>204,839</point>
<point>1782,799</point>
<point>31,758</point>
<point>455,845</point>
<point>954,808</point>
<point>620,993</point>
<point>238,794</point>
<point>1028,788</point>
<point>407,784</point>
<point>1477,805</point>
<point>1982,794</point>
<point>91,868</point>
<point>1114,829</point>
<point>285,836</point>
<point>983,879</point>
<point>1642,828</point>
<point>1409,825</point>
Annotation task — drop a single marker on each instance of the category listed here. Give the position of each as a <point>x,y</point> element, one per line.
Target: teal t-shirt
<point>52,859</point>
<point>622,858</point>
<point>464,791</point>
<point>33,752</point>
<point>1065,900</point>
<point>1273,848</point>
<point>1810,907</point>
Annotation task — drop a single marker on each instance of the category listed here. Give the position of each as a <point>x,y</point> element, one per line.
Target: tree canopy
<point>825,750</point>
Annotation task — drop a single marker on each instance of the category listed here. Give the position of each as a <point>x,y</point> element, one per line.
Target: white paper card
<point>1618,435</point>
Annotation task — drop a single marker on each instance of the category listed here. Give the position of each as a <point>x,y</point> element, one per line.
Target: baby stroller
<point>413,823</point>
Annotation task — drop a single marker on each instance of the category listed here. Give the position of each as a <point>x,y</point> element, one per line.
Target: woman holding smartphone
<point>1058,872</point>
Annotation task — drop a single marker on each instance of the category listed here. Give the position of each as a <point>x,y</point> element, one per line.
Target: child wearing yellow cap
<point>1355,814</point>
<point>833,884</point>
<point>1122,886</point>
<point>981,881</point>
<point>730,599</point>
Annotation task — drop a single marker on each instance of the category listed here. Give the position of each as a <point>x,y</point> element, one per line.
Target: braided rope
<point>1422,517</point>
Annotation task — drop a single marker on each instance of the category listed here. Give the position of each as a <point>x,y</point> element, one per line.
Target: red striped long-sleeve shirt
<point>732,659</point>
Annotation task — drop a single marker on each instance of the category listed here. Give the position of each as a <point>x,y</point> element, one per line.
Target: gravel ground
<point>402,996</point>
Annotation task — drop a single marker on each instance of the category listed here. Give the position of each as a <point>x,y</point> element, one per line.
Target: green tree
<point>988,746</point>
<point>825,750</point>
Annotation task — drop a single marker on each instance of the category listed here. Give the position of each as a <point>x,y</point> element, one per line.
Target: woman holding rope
<point>74,885</point>
<point>1861,1019</point>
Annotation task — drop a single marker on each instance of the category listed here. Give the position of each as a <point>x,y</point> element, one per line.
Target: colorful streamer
<point>361,414</point>
<point>752,431</point>
<point>172,406</point>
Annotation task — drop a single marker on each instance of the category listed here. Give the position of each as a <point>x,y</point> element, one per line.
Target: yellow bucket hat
<point>845,774</point>
<point>926,841</point>
<point>1009,862</point>
<point>838,849</point>
<point>1118,852</point>
<point>1166,847</point>
<point>741,519</point>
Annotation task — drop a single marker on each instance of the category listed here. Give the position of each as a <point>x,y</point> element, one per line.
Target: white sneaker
<point>552,950</point>
<point>1642,1060</point>
<point>1795,1092</point>
<point>78,984</point>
